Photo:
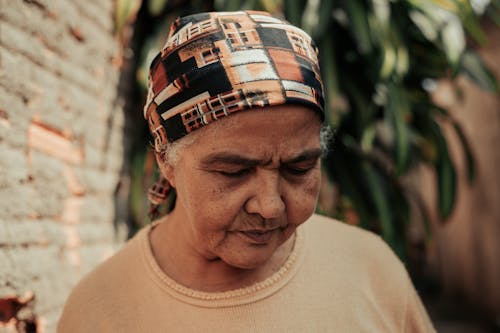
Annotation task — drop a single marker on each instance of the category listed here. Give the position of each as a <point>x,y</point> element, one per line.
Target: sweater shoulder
<point>123,261</point>
<point>343,234</point>
<point>350,245</point>
<point>99,292</point>
<point>357,270</point>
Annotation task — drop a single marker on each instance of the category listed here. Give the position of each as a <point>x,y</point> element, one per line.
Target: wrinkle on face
<point>213,207</point>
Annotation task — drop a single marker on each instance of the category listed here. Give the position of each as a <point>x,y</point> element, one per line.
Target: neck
<point>195,271</point>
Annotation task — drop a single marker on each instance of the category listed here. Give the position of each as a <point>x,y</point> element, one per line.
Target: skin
<point>242,190</point>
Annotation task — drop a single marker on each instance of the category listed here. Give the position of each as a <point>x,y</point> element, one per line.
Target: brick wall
<point>60,147</point>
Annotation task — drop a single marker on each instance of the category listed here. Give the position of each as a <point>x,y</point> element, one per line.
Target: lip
<point>258,236</point>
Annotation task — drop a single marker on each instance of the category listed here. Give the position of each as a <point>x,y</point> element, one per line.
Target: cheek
<point>212,210</point>
<point>224,199</point>
<point>304,198</point>
<point>201,195</point>
<point>313,184</point>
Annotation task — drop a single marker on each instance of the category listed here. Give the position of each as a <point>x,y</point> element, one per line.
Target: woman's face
<point>246,183</point>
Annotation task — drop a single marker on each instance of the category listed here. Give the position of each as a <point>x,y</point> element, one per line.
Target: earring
<point>158,195</point>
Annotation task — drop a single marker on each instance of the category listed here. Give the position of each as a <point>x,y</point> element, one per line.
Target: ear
<point>166,169</point>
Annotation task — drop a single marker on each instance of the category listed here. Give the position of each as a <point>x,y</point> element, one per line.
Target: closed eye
<point>297,171</point>
<point>234,174</point>
<point>300,168</point>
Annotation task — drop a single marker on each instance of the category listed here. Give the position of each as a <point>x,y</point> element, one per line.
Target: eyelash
<point>298,171</point>
<point>243,172</point>
<point>234,174</point>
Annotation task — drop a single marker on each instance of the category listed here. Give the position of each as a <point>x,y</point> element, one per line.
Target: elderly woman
<point>235,106</point>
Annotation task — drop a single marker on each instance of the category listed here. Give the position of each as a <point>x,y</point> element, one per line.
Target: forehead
<point>273,132</point>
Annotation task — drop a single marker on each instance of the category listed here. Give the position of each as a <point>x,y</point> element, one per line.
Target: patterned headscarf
<point>216,64</point>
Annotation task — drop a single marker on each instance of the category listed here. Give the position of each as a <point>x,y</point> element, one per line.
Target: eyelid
<point>298,171</point>
<point>295,168</point>
<point>234,173</point>
<point>301,167</point>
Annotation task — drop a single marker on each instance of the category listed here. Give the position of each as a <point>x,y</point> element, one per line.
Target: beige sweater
<point>337,279</point>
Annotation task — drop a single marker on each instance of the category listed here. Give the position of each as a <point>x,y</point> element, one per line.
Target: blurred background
<point>412,96</point>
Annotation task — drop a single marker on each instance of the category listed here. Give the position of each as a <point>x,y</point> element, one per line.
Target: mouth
<point>259,236</point>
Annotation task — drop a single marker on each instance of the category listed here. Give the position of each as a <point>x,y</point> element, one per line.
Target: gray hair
<point>170,152</point>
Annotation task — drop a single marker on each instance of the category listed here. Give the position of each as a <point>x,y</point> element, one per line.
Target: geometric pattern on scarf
<point>216,64</point>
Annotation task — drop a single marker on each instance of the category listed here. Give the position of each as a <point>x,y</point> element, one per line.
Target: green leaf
<point>293,11</point>
<point>229,5</point>
<point>473,67</point>
<point>428,61</point>
<point>270,6</point>
<point>446,174</point>
<point>330,79</point>
<point>376,190</point>
<point>359,25</point>
<point>325,18</point>
<point>155,7</point>
<point>397,109</point>
<point>125,10</point>
<point>403,59</point>
<point>445,18</point>
<point>395,56</point>
<point>469,157</point>
<point>368,138</point>
<point>310,17</point>
<point>363,110</point>
<point>389,60</point>
<point>470,21</point>
<point>346,175</point>
<point>493,12</point>
<point>449,5</point>
<point>446,185</point>
<point>453,39</point>
<point>425,24</point>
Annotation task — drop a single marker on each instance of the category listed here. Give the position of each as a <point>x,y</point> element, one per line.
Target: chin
<point>247,265</point>
<point>249,258</point>
<point>243,255</point>
<point>253,258</point>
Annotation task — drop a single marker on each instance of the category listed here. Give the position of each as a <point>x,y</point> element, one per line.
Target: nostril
<point>268,207</point>
<point>272,207</point>
<point>266,199</point>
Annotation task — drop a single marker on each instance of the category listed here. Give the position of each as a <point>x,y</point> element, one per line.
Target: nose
<point>266,199</point>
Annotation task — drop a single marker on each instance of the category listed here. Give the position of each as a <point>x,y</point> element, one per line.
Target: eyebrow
<point>311,154</point>
<point>231,158</point>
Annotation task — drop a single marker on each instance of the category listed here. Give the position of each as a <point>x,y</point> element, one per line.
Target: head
<point>236,110</point>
